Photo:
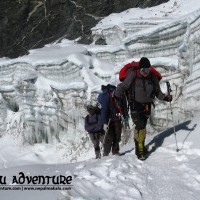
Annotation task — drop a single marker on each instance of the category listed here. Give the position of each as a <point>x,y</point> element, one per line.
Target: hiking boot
<point>105,154</point>
<point>141,157</point>
<point>117,154</point>
<point>98,154</point>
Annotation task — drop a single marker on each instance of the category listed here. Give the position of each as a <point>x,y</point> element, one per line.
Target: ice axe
<point>168,92</point>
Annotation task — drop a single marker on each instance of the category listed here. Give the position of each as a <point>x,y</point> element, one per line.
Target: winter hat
<point>144,63</point>
<point>108,87</point>
<point>90,108</point>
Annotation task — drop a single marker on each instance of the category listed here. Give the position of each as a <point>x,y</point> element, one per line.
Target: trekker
<point>140,85</point>
<point>94,126</point>
<point>112,117</point>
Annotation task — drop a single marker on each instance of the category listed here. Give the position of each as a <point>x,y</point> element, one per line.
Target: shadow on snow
<point>159,139</point>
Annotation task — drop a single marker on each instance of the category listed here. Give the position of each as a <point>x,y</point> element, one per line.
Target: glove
<point>168,98</point>
<point>105,127</point>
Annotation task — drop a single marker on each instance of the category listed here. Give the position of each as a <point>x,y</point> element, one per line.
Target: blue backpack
<point>109,107</point>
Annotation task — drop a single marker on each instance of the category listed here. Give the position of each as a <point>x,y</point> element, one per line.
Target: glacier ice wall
<point>51,99</point>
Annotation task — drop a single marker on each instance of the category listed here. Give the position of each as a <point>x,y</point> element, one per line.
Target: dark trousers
<point>96,138</point>
<point>113,137</point>
<point>139,119</point>
<point>140,113</point>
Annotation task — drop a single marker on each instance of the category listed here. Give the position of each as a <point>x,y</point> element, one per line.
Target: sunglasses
<point>145,70</point>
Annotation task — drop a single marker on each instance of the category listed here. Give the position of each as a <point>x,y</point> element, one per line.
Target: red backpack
<point>135,65</point>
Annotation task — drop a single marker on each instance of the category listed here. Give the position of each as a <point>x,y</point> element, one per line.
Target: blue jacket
<point>104,100</point>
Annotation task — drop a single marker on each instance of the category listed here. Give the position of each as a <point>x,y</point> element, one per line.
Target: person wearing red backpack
<point>140,84</point>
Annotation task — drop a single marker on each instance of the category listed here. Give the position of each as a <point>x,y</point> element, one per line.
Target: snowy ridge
<point>161,40</point>
<point>114,34</point>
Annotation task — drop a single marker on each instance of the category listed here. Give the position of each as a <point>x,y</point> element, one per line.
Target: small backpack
<point>135,66</point>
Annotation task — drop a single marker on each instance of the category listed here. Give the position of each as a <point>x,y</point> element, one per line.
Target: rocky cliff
<point>29,24</point>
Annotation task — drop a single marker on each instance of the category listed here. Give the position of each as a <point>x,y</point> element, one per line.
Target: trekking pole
<point>168,92</point>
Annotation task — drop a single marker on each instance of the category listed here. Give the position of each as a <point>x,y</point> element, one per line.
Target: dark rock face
<point>28,24</point>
